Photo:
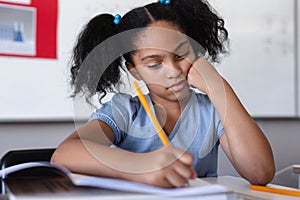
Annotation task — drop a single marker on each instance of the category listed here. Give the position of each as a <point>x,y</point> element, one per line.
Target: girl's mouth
<point>177,86</point>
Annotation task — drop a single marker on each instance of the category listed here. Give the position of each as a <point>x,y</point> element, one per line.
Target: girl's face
<point>162,60</point>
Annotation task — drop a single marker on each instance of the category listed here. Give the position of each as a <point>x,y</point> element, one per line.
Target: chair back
<point>21,156</point>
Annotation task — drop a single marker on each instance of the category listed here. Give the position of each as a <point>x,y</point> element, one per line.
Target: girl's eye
<point>155,65</point>
<point>182,56</point>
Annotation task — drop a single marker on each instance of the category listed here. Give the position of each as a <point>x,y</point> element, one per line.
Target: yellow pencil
<point>275,190</point>
<point>147,108</point>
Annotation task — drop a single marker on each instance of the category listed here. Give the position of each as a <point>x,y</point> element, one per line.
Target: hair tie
<point>117,19</point>
<point>166,2</point>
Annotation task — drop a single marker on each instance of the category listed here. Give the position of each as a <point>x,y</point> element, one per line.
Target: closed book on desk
<point>43,180</point>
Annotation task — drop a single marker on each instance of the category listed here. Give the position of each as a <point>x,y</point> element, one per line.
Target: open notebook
<point>43,180</point>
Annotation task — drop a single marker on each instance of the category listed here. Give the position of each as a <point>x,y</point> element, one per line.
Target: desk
<point>236,184</point>
<point>240,185</point>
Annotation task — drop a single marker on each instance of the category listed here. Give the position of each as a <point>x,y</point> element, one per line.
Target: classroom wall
<point>282,133</point>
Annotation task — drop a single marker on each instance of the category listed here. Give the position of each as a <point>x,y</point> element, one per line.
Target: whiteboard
<point>261,64</point>
<point>35,89</point>
<point>260,67</point>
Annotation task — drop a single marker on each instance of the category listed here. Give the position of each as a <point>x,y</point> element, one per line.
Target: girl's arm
<point>88,151</point>
<point>243,141</point>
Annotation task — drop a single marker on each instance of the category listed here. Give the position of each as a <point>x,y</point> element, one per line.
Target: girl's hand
<point>203,75</point>
<point>172,167</point>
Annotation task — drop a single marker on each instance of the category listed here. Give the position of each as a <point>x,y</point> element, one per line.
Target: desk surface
<point>236,184</point>
<point>240,185</point>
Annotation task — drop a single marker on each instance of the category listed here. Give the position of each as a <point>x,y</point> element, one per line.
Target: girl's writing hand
<point>172,167</point>
<point>202,74</point>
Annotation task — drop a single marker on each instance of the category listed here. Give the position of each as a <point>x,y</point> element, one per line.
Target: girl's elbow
<point>54,157</point>
<point>263,176</point>
<point>58,156</point>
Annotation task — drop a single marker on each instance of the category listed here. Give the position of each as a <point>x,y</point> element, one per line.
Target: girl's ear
<point>133,71</point>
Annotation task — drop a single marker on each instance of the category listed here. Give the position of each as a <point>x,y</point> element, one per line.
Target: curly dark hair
<point>101,73</point>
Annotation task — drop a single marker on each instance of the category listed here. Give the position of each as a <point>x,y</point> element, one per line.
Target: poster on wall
<point>28,28</point>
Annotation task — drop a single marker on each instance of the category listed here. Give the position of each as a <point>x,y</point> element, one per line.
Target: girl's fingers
<point>175,179</point>
<point>184,170</point>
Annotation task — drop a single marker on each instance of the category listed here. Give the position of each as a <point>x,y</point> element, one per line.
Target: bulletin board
<point>35,87</point>
<point>28,28</point>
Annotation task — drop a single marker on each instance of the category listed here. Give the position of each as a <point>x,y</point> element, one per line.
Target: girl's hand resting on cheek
<point>203,76</point>
<point>172,167</point>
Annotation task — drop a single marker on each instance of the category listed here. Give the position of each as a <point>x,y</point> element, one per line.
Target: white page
<point>18,167</point>
<point>57,188</point>
<point>196,187</point>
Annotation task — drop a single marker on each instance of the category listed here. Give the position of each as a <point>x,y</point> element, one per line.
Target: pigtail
<point>95,64</point>
<point>203,25</point>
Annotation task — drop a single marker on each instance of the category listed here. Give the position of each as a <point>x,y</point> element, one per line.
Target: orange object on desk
<point>275,190</point>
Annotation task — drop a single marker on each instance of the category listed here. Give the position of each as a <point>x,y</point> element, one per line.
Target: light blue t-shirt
<point>197,130</point>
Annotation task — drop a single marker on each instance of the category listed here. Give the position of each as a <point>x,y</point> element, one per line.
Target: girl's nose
<point>173,70</point>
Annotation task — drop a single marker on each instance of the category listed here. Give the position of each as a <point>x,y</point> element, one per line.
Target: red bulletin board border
<point>46,28</point>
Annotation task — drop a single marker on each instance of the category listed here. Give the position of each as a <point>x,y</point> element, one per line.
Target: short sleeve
<point>117,114</point>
